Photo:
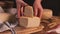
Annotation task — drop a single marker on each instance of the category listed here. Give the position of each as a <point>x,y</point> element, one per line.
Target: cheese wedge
<point>28,11</point>
<point>47,13</point>
<point>29,22</point>
<point>4,17</point>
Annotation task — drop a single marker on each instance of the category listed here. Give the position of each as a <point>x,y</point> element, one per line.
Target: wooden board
<point>52,22</point>
<point>55,22</point>
<point>21,30</point>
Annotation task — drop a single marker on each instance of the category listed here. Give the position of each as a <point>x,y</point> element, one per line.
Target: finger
<point>22,11</point>
<point>41,8</point>
<point>18,9</point>
<point>40,11</point>
<point>35,11</point>
<point>22,3</point>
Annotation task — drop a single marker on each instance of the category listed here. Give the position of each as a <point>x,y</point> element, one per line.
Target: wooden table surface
<point>55,23</point>
<point>21,30</point>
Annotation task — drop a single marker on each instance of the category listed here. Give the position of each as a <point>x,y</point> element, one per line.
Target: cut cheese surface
<point>29,22</point>
<point>47,13</point>
<point>28,11</point>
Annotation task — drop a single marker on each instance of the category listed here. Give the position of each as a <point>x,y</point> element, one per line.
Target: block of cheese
<point>28,11</point>
<point>4,17</point>
<point>29,22</point>
<point>47,13</point>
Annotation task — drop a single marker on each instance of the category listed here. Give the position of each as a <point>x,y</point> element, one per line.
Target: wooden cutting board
<point>21,30</point>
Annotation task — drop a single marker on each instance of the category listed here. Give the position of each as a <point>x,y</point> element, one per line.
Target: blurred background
<point>50,4</point>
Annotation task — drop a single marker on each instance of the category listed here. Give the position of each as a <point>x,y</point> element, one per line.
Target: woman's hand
<point>37,8</point>
<point>21,2</point>
<point>20,5</point>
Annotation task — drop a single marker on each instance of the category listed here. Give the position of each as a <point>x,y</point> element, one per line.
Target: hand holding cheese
<point>20,4</point>
<point>38,9</point>
<point>29,20</point>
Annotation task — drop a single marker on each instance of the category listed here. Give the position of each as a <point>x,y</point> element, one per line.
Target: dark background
<point>49,4</point>
<point>52,4</point>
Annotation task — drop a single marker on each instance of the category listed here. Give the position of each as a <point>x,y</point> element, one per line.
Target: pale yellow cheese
<point>4,17</point>
<point>28,11</point>
<point>47,13</point>
<point>29,22</point>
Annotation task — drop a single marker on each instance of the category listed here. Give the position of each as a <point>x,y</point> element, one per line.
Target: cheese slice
<point>29,22</point>
<point>47,13</point>
<point>4,17</point>
<point>28,11</point>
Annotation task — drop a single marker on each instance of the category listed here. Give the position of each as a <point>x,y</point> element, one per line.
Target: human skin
<point>37,7</point>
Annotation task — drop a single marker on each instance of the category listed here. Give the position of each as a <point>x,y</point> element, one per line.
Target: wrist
<point>38,0</point>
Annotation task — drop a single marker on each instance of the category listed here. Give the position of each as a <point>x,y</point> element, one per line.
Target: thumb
<point>35,11</point>
<point>21,2</point>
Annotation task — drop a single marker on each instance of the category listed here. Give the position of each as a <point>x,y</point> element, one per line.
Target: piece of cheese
<point>28,11</point>
<point>29,22</point>
<point>4,17</point>
<point>47,13</point>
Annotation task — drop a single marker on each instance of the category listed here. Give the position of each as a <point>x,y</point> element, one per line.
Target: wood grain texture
<point>21,30</point>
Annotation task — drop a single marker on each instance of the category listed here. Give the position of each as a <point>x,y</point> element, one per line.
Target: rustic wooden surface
<point>52,22</point>
<point>56,22</point>
<point>21,30</point>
